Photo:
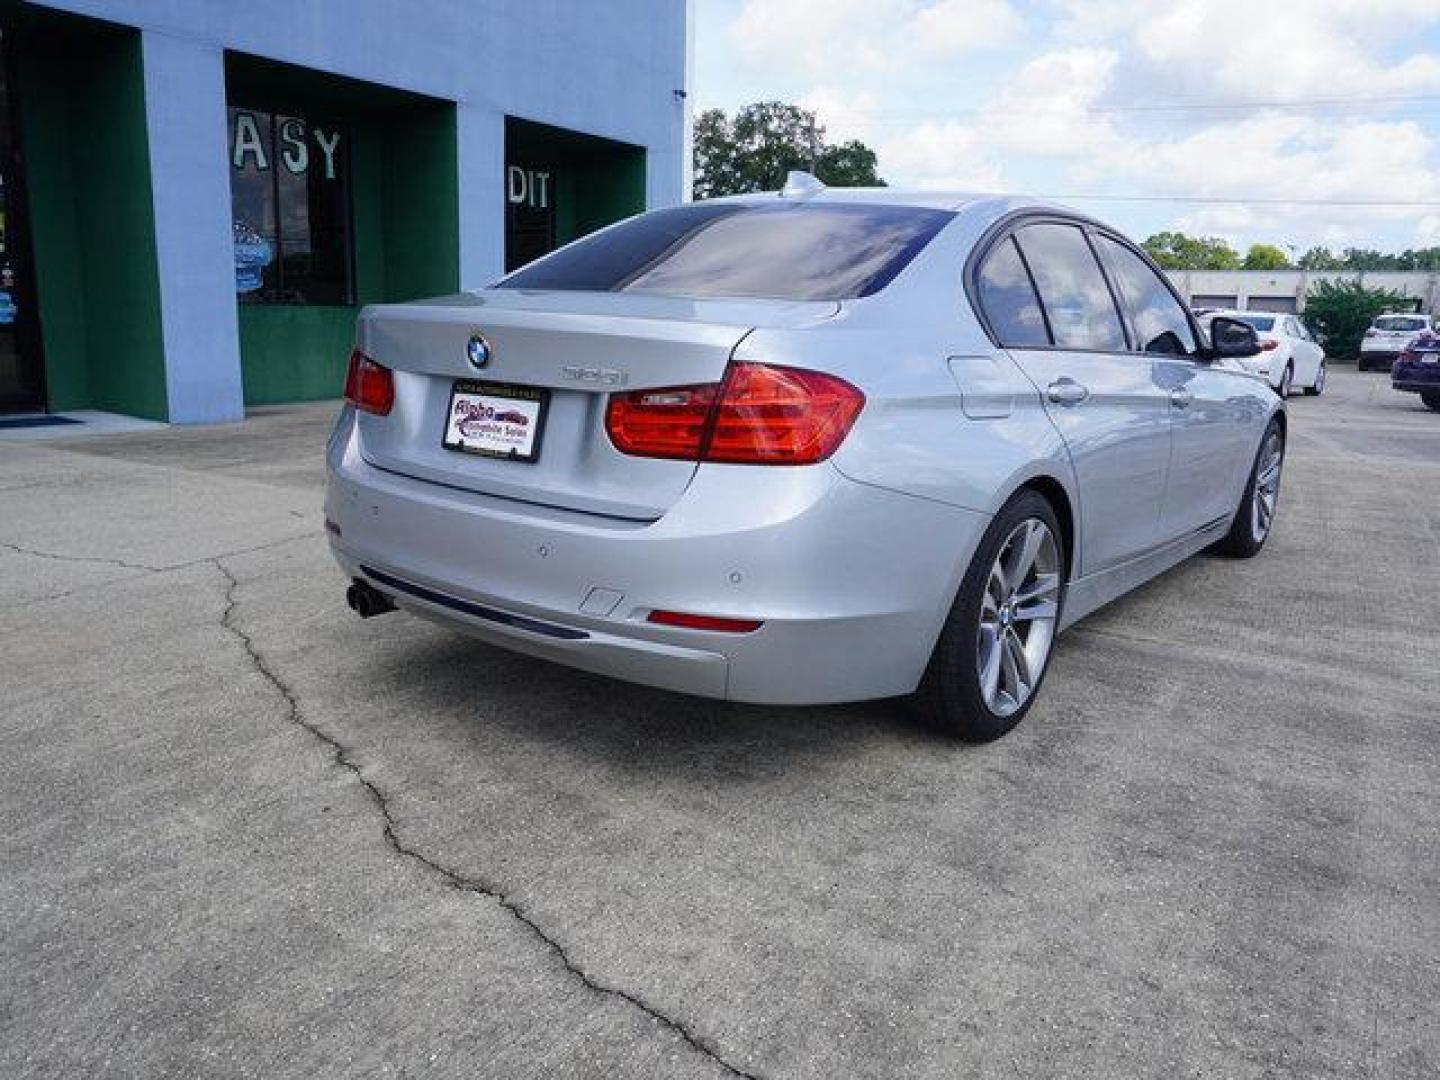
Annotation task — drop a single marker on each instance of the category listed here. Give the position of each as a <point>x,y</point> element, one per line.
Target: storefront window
<point>290,201</point>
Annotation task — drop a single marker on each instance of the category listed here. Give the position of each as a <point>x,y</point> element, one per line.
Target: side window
<point>1160,322</point>
<point>1077,301</point>
<point>1008,299</point>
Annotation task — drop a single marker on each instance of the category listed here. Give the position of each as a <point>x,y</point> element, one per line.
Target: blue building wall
<point>611,68</point>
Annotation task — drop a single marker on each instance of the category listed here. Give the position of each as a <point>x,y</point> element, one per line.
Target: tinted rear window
<point>1257,322</point>
<point>1009,301</point>
<point>783,251</point>
<point>1400,323</point>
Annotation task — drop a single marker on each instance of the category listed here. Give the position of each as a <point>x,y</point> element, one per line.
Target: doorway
<point>22,370</point>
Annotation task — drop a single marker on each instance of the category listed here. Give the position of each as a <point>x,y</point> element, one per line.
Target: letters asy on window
<point>290,203</point>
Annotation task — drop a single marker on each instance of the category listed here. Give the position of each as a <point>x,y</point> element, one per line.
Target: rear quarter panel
<point>947,416</point>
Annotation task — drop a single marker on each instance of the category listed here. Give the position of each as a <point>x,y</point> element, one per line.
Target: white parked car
<point>1388,337</point>
<point>1289,355</point>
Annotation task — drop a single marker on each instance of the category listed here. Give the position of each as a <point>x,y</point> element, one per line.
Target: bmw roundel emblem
<point>478,351</point>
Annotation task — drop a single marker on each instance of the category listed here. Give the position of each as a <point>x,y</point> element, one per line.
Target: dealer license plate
<point>496,420</point>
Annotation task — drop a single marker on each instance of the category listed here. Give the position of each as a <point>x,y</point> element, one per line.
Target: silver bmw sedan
<point>815,446</point>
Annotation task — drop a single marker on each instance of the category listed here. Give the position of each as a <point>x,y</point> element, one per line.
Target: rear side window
<point>1008,300</point>
<point>779,250</point>
<point>1077,301</point>
<point>1161,325</point>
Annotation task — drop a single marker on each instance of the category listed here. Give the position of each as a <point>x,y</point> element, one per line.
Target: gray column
<point>190,181</point>
<point>480,158</point>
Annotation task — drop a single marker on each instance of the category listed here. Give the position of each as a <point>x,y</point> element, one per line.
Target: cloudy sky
<point>1235,105</point>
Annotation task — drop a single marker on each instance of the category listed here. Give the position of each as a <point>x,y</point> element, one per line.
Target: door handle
<point>1067,392</point>
<point>1180,397</point>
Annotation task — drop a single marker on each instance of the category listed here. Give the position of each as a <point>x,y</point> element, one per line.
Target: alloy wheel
<point>1018,615</point>
<point>1285,381</point>
<point>1267,485</point>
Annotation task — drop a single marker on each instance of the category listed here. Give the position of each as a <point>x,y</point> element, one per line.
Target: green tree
<point>1321,258</point>
<point>1339,312</point>
<point>1176,251</point>
<point>851,164</point>
<point>1265,257</point>
<point>1369,259</point>
<point>764,141</point>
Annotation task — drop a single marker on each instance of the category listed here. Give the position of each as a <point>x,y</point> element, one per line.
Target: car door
<point>1307,354</point>
<point>1209,415</point>
<point>1101,397</point>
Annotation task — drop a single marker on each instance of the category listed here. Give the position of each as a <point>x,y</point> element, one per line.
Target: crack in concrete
<point>103,559</point>
<point>143,568</point>
<point>342,756</point>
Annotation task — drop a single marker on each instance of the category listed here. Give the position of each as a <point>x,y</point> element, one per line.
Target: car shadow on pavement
<point>554,709</point>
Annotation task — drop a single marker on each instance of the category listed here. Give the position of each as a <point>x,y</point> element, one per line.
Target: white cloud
<point>814,35</point>
<point>940,157</point>
<point>819,37</point>
<point>1281,157</point>
<point>1090,105</point>
<point>843,115</point>
<point>1046,108</point>
<point>1278,49</point>
<point>953,26</point>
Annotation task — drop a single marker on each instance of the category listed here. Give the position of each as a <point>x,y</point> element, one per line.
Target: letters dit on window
<point>289,197</point>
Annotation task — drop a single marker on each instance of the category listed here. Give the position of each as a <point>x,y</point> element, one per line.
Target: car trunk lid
<point>576,348</point>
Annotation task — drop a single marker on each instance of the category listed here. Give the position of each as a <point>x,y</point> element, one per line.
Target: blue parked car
<point>1417,369</point>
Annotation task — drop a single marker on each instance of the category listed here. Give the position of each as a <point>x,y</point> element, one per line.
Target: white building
<point>1286,290</point>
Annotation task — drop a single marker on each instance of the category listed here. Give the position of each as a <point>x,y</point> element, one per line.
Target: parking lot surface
<point>245,833</point>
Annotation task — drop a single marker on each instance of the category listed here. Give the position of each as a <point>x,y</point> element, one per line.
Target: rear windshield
<point>1401,322</point>
<point>783,251</point>
<point>1258,322</point>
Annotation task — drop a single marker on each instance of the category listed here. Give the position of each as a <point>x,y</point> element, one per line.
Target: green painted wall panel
<point>294,353</point>
<point>82,96</point>
<point>421,205</point>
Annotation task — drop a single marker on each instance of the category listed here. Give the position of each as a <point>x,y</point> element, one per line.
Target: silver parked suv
<point>810,447</point>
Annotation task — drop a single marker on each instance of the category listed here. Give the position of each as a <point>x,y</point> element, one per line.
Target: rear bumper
<point>1415,378</point>
<point>851,581</point>
<point>1381,359</point>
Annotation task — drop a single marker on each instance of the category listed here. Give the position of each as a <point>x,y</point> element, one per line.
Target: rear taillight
<point>1266,346</point>
<point>758,414</point>
<point>369,386</point>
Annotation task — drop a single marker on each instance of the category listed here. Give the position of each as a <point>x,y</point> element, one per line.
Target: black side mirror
<point>1232,338</point>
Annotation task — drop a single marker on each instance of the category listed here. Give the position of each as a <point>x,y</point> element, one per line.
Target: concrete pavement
<point>244,833</point>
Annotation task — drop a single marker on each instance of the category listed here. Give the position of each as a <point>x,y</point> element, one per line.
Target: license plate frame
<point>530,402</point>
<point>1430,358</point>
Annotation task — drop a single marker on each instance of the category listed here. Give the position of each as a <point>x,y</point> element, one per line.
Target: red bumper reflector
<point>713,623</point>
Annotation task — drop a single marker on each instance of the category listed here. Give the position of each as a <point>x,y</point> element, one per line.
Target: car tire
<point>1255,516</point>
<point>1287,381</point>
<point>1360,364</point>
<point>1431,398</point>
<point>1318,387</point>
<point>983,676</point>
